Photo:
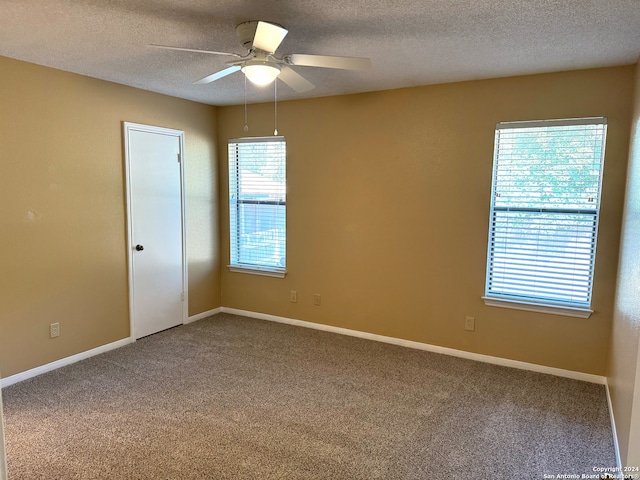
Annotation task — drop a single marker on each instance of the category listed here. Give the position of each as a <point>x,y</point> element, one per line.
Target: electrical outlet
<point>54,330</point>
<point>470,324</point>
<point>316,299</point>
<point>293,296</point>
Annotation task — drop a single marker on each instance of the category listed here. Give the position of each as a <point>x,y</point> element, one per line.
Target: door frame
<point>128,127</point>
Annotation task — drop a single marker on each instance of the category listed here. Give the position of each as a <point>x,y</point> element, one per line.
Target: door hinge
<point>179,158</point>
<point>182,296</point>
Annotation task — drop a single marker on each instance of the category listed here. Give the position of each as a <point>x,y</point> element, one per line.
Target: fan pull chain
<point>275,107</point>
<point>246,122</point>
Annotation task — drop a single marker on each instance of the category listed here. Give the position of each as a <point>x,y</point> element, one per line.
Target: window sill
<point>535,307</point>
<point>265,271</point>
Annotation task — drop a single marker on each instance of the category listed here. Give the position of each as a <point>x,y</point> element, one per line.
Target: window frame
<point>531,302</point>
<point>233,163</point>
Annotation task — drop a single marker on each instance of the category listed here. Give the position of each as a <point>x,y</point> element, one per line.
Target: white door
<point>157,273</point>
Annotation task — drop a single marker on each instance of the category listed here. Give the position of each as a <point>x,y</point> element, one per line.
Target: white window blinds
<point>545,203</point>
<point>257,202</point>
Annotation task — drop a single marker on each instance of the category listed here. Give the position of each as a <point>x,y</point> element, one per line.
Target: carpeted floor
<point>236,398</point>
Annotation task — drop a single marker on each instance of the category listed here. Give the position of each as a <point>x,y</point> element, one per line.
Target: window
<point>257,205</point>
<point>547,178</point>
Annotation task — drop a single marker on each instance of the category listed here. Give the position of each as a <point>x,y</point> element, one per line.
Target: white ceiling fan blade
<point>327,61</point>
<point>166,47</point>
<point>295,80</point>
<point>216,76</point>
<point>268,37</point>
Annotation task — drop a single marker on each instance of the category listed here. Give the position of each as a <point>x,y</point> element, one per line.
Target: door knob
<point>139,248</point>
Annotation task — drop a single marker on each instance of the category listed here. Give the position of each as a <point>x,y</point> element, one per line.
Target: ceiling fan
<point>260,64</point>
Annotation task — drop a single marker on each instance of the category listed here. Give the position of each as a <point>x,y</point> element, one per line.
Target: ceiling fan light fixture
<point>260,72</point>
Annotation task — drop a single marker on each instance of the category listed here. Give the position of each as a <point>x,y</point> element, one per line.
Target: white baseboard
<point>586,377</point>
<point>505,362</point>
<point>616,446</point>
<point>200,316</point>
<point>19,377</point>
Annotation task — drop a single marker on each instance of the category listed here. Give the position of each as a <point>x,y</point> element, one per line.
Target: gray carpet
<point>236,398</point>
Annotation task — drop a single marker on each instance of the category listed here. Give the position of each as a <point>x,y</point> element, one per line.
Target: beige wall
<point>388,204</point>
<point>62,211</point>
<point>624,373</point>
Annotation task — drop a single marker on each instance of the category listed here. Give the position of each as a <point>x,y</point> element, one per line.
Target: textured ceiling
<point>409,42</point>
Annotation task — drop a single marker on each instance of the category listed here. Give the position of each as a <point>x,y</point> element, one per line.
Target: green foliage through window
<point>544,211</point>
